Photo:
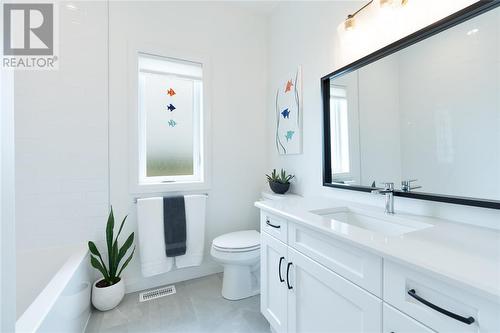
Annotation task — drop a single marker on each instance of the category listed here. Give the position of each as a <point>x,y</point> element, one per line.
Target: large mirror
<point>423,113</point>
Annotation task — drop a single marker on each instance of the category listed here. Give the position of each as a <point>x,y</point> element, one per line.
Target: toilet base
<point>240,281</point>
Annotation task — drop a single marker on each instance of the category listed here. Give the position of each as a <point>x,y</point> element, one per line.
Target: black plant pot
<point>279,188</point>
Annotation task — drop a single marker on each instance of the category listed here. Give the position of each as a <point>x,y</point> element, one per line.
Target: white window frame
<point>201,179</point>
<point>343,176</point>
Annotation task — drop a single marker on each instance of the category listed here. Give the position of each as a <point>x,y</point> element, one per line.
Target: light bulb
<point>349,23</point>
<point>386,3</point>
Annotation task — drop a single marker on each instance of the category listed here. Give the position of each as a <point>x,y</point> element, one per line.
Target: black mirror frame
<point>463,15</point>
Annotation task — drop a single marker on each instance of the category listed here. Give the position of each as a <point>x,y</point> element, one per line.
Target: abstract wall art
<point>288,135</point>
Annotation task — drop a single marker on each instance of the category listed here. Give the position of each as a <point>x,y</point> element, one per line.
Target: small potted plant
<point>109,291</point>
<point>279,182</point>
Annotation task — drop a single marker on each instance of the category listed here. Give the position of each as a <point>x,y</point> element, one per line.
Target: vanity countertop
<point>458,252</point>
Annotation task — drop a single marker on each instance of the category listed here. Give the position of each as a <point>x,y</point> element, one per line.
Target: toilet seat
<point>239,241</point>
<point>249,249</point>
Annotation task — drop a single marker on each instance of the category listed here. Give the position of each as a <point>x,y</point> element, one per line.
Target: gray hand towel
<point>174,223</point>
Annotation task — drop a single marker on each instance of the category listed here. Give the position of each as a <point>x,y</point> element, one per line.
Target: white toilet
<point>239,253</point>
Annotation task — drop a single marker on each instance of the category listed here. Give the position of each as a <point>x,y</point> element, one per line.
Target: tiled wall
<point>61,144</point>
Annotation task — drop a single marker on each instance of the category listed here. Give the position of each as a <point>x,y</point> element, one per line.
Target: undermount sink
<point>392,225</point>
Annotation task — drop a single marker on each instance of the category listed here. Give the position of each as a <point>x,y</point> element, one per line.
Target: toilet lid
<point>247,239</point>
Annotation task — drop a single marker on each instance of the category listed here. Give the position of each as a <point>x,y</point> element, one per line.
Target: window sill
<point>176,186</point>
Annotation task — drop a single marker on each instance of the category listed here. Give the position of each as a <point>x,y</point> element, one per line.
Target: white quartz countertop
<point>458,252</point>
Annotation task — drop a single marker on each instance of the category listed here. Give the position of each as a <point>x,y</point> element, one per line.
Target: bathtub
<point>53,290</point>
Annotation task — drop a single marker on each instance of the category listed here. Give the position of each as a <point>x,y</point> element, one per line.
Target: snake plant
<point>280,177</point>
<point>111,273</point>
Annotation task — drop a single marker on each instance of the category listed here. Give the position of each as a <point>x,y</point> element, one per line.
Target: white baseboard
<point>174,276</point>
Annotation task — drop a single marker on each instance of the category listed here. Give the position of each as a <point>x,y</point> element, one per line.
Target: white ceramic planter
<point>107,298</point>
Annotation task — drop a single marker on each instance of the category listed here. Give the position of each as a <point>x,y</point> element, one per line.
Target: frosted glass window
<point>170,112</point>
<point>340,131</point>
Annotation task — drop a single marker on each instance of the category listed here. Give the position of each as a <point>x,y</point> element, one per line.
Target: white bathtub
<point>53,290</point>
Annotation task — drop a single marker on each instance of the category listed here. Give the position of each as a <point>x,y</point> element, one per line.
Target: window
<point>170,120</point>
<point>340,131</point>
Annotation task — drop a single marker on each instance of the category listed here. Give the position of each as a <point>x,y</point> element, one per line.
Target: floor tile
<point>196,307</point>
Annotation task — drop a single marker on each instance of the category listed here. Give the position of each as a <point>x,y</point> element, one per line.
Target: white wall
<point>61,137</point>
<point>7,203</point>
<point>374,122</point>
<point>452,93</point>
<point>379,122</point>
<point>303,33</point>
<point>235,42</point>
<point>311,40</point>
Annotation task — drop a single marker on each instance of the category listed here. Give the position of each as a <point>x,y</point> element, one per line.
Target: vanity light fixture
<point>350,21</point>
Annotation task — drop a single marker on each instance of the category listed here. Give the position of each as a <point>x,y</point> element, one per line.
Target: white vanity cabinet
<point>312,282</point>
<point>299,294</point>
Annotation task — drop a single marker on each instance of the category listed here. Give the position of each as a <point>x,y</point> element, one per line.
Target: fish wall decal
<point>171,108</point>
<point>286,113</point>
<point>172,123</point>
<point>288,109</point>
<point>289,135</point>
<point>171,92</point>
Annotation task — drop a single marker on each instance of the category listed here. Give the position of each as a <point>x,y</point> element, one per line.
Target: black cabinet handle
<point>272,225</point>
<point>288,276</point>
<point>465,320</point>
<point>279,269</point>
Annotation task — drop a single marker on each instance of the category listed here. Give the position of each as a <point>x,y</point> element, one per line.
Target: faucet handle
<point>388,186</point>
<point>406,185</point>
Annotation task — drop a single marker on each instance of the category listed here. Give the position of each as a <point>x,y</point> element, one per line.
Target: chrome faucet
<point>407,187</point>
<point>388,191</point>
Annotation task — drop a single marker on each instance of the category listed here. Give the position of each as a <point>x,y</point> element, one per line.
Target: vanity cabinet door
<point>322,301</point>
<point>273,289</point>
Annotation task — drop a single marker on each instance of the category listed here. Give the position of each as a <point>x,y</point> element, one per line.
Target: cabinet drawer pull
<point>465,320</point>
<point>272,225</point>
<point>279,269</point>
<point>288,276</point>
